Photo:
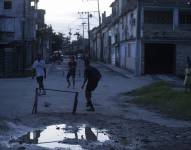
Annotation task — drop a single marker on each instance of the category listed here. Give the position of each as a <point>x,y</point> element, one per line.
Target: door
<point>160,58</point>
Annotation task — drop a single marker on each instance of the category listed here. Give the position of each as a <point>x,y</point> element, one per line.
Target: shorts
<point>39,79</point>
<point>71,73</point>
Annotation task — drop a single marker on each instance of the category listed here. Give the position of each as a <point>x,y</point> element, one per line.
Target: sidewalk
<point>48,67</point>
<point>123,72</point>
<point>173,79</point>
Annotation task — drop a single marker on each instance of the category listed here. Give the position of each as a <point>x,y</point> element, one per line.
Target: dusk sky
<point>63,14</point>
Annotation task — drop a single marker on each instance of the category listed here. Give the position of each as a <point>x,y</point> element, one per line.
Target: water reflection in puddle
<point>64,136</point>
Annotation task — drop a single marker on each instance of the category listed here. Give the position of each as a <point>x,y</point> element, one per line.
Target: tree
<point>57,42</point>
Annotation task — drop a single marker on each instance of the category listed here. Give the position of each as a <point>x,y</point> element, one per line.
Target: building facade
<point>148,36</point>
<point>18,35</point>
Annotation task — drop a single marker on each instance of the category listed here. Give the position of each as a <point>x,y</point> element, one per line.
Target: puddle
<point>64,136</point>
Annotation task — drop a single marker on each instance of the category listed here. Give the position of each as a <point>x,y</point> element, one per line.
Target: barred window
<point>185,17</point>
<point>158,17</point>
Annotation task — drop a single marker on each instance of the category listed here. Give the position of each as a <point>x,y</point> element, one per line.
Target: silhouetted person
<point>71,71</point>
<point>187,80</point>
<point>92,77</point>
<point>39,70</point>
<point>86,58</point>
<point>188,60</point>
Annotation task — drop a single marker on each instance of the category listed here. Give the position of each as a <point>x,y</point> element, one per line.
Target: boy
<point>71,71</point>
<point>92,77</point>
<point>39,69</point>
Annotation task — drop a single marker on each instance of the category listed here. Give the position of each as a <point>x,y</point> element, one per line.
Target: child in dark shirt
<point>71,71</point>
<point>92,77</point>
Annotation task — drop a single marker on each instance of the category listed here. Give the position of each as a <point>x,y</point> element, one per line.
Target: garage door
<point>160,58</point>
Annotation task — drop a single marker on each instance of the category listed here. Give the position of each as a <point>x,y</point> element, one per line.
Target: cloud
<point>64,13</point>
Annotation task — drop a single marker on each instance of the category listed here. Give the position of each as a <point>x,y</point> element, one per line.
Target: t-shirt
<point>92,74</point>
<point>72,66</point>
<point>39,67</point>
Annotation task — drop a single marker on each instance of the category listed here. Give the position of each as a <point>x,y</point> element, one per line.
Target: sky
<point>63,14</point>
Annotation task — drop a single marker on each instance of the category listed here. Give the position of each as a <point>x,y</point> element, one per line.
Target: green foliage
<point>161,96</point>
<point>58,40</point>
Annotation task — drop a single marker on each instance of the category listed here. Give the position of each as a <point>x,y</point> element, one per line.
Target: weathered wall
<point>128,55</point>
<point>182,51</point>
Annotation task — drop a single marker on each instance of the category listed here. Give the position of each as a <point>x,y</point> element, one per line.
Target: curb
<point>125,74</point>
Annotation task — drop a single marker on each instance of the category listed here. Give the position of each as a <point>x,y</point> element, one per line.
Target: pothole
<point>64,136</point>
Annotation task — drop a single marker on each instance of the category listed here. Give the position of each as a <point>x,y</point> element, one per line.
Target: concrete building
<point>95,44</point>
<point>106,38</point>
<point>18,25</point>
<point>149,36</point>
<point>44,36</point>
<point>164,36</point>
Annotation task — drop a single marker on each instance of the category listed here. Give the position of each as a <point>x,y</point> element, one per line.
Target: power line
<point>100,28</point>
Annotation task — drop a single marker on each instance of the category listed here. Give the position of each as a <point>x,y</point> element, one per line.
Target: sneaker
<point>39,93</point>
<point>44,92</point>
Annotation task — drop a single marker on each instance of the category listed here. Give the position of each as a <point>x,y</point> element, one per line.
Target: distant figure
<point>86,58</point>
<point>92,77</point>
<point>188,60</point>
<point>39,69</point>
<point>187,80</point>
<point>72,64</point>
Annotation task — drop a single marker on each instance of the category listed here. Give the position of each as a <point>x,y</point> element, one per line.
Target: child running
<point>72,64</point>
<point>39,69</point>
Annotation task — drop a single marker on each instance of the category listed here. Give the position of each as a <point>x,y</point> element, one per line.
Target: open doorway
<point>160,58</point>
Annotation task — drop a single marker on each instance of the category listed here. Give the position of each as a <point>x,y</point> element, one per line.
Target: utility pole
<point>70,34</point>
<point>83,29</point>
<point>88,19</point>
<point>23,38</point>
<point>89,35</point>
<point>100,30</point>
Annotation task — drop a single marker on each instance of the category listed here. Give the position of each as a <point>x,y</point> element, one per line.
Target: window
<point>158,17</point>
<point>185,17</point>
<point>7,4</point>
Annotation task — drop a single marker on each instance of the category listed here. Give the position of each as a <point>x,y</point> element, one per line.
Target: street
<point>121,125</point>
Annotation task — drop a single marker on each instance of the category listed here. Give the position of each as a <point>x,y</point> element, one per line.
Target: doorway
<point>160,58</point>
